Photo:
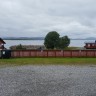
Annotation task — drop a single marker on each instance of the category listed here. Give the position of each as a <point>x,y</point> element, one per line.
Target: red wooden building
<point>2,44</point>
<point>90,45</point>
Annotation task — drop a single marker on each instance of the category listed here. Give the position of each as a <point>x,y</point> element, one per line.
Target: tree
<point>64,42</point>
<point>19,47</point>
<point>51,40</point>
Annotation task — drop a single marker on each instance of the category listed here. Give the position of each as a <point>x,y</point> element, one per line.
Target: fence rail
<point>53,53</point>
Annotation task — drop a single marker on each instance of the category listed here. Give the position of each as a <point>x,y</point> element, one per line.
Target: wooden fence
<point>53,53</point>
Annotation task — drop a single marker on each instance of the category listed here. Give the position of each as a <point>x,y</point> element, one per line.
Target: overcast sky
<point>32,18</point>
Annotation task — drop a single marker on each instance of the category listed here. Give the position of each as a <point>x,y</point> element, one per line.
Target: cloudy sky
<point>32,18</point>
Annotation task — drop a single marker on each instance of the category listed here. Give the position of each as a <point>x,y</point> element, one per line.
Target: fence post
<point>47,53</point>
<point>86,53</point>
<point>29,53</point>
<point>71,53</point>
<point>79,53</point>
<point>55,53</point>
<point>95,54</point>
<point>19,53</point>
<point>63,53</point>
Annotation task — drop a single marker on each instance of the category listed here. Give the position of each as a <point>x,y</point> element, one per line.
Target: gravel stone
<point>48,81</point>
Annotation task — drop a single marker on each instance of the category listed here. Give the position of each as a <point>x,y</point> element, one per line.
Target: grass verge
<point>47,61</point>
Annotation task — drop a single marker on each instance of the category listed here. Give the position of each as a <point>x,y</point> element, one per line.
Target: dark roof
<point>2,41</point>
<point>90,43</point>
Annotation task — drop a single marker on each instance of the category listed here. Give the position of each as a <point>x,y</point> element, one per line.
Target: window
<point>92,44</point>
<point>88,45</point>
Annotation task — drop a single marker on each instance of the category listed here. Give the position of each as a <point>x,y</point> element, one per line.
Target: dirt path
<point>48,81</point>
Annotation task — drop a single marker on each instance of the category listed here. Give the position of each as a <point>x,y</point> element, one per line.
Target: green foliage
<point>72,48</point>
<point>64,42</point>
<point>19,46</point>
<point>51,40</point>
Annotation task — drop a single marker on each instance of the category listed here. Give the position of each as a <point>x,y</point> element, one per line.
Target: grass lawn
<point>47,61</point>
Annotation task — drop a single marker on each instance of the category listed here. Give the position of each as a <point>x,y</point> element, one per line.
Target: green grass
<point>72,48</point>
<point>47,61</point>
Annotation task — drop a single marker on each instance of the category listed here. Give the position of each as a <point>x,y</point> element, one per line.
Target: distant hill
<point>89,38</point>
<point>23,38</point>
<point>42,38</point>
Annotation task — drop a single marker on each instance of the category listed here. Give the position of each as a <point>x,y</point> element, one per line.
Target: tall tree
<point>52,40</point>
<point>64,42</point>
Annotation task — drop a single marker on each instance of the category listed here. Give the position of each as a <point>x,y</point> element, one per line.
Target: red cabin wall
<point>90,46</point>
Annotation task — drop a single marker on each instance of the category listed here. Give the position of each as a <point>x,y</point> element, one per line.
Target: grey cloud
<point>38,17</point>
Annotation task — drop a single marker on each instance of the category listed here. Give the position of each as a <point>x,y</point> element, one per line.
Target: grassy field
<point>47,61</point>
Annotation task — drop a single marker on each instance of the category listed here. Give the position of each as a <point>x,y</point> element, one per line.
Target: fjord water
<point>76,43</point>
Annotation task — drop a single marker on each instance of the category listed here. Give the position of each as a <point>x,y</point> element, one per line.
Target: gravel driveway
<point>48,81</point>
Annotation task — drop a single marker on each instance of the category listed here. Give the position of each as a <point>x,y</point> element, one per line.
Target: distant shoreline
<point>23,39</point>
<point>43,39</point>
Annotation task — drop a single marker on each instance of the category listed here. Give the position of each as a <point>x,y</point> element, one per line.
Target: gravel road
<point>48,81</point>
